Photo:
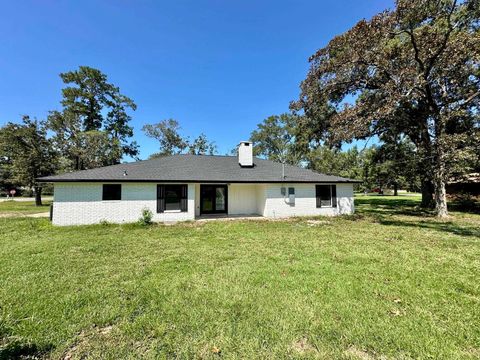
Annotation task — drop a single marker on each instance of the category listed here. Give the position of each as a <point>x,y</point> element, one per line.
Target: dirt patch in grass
<point>83,343</point>
<point>302,346</point>
<point>354,352</point>
<point>318,222</point>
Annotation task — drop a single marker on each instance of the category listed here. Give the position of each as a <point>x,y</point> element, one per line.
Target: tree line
<point>390,164</point>
<point>409,77</point>
<point>91,130</point>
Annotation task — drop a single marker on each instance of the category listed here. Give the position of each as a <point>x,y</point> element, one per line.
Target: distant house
<point>469,184</point>
<point>186,187</point>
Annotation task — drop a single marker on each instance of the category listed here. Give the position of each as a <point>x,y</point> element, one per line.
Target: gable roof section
<point>197,168</point>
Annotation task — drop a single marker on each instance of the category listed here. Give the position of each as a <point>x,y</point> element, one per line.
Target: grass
<point>389,282</point>
<point>23,207</point>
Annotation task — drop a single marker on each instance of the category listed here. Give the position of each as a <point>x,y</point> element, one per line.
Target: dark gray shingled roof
<point>196,168</point>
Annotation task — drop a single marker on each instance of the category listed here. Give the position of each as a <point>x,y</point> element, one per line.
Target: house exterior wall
<point>277,206</point>
<point>261,198</point>
<point>81,204</point>
<point>242,199</point>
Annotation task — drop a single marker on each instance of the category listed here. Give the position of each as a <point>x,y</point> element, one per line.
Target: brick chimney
<point>245,154</point>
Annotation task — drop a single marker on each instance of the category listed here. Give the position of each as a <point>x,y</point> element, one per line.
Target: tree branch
<point>435,56</point>
<point>415,48</point>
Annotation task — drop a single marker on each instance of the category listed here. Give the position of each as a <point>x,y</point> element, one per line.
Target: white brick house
<point>185,187</point>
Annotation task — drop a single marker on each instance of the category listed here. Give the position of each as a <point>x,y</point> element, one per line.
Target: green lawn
<point>390,282</point>
<point>23,207</point>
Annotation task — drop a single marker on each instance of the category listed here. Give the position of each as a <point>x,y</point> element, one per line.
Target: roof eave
<point>346,181</point>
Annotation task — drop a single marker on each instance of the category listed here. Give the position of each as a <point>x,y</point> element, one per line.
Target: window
<point>291,191</point>
<point>112,192</point>
<point>326,195</point>
<point>171,198</point>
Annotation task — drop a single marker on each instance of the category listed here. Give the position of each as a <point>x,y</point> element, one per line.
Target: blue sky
<point>218,67</point>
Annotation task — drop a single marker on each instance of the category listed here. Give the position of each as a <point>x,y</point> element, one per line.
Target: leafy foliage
<point>397,163</point>
<point>93,128</point>
<point>348,163</point>
<point>413,71</point>
<point>26,154</point>
<point>276,139</point>
<point>146,217</point>
<point>171,142</point>
<point>166,132</point>
<point>392,164</point>
<point>201,146</point>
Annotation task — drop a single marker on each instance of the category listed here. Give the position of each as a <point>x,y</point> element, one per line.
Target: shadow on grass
<point>19,350</point>
<point>12,347</point>
<point>391,206</point>
<point>449,226</point>
<point>384,209</point>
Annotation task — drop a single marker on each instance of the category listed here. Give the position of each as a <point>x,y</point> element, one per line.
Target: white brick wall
<point>81,203</point>
<point>276,206</point>
<point>242,199</point>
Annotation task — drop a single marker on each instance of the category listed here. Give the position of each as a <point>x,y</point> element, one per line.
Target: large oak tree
<point>414,70</point>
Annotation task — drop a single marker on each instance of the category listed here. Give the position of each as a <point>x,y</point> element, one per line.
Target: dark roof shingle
<point>196,168</point>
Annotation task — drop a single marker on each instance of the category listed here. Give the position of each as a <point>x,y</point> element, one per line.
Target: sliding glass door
<point>213,199</point>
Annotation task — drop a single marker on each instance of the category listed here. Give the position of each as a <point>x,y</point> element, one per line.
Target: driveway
<point>17,214</point>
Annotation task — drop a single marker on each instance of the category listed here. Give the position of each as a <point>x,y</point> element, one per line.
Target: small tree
<point>202,146</point>
<point>166,132</point>
<point>171,142</point>
<point>29,153</point>
<point>398,159</point>
<point>276,139</point>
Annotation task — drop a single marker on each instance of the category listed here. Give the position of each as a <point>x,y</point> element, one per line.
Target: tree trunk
<point>439,173</point>
<point>427,194</point>
<point>440,198</point>
<point>38,195</point>
<point>77,162</point>
<point>395,189</point>
<point>440,192</point>
<point>425,165</point>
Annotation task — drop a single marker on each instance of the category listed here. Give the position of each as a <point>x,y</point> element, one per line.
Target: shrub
<point>146,217</point>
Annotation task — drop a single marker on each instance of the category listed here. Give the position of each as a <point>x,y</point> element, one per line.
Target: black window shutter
<point>184,199</point>
<point>334,195</point>
<point>160,198</point>
<point>317,195</point>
